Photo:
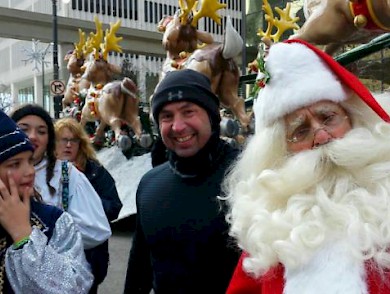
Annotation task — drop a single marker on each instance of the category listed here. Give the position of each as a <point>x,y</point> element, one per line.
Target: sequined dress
<point>52,261</point>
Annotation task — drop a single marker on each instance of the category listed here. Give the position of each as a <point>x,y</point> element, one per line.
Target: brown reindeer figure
<point>75,61</point>
<point>337,22</point>
<point>112,103</point>
<point>190,48</point>
<point>78,85</point>
<point>117,103</point>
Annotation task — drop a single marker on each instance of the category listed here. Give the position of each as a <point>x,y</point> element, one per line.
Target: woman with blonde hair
<point>73,144</point>
<point>85,149</point>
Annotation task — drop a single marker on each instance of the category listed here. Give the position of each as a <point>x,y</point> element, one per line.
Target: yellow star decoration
<point>209,8</point>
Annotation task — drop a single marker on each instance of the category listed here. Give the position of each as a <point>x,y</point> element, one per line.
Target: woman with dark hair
<point>59,182</point>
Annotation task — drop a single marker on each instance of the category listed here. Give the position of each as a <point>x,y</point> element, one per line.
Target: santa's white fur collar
<point>332,270</point>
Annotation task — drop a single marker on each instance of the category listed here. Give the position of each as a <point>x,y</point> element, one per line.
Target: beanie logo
<point>178,95</point>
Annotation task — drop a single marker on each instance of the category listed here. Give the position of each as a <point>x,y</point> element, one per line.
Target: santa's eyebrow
<point>326,109</point>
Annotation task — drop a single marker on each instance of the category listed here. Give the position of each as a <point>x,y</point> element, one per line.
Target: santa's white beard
<point>340,191</point>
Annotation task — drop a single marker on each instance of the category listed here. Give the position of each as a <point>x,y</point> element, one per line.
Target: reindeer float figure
<point>112,103</point>
<point>337,22</point>
<point>75,61</point>
<point>190,48</point>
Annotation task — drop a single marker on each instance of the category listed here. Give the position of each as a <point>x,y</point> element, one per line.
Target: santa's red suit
<point>273,282</point>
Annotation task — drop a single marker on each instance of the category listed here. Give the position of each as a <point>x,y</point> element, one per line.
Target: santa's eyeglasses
<point>305,133</point>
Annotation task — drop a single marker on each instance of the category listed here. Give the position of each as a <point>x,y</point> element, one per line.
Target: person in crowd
<point>309,196</point>
<point>59,182</point>
<point>41,248</point>
<point>73,144</point>
<point>181,242</point>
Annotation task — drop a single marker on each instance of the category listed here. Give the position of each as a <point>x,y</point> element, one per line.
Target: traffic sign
<point>57,87</point>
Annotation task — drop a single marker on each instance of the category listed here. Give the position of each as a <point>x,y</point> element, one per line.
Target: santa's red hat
<point>300,75</point>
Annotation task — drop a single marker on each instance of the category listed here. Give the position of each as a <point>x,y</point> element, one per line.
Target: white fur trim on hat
<point>298,78</point>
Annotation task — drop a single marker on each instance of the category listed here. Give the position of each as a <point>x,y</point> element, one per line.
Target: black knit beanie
<point>186,85</point>
<point>34,109</point>
<point>12,140</point>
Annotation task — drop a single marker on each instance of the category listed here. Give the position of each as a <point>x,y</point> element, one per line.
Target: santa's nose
<point>321,137</point>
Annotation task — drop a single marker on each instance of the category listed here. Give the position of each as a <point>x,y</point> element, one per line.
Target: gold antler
<point>94,40</point>
<point>185,8</point>
<point>269,17</point>
<point>208,8</point>
<point>111,40</point>
<point>284,23</point>
<point>78,48</point>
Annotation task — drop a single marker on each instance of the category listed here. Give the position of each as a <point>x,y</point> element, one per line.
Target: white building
<point>21,21</point>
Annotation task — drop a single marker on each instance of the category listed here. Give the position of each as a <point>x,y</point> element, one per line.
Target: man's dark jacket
<point>181,243</point>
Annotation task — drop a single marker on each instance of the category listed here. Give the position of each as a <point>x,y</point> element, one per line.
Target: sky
<point>126,173</point>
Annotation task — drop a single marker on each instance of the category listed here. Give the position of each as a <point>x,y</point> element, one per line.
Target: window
<point>146,11</point>
<point>26,95</point>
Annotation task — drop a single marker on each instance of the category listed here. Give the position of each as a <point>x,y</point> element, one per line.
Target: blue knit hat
<point>12,140</point>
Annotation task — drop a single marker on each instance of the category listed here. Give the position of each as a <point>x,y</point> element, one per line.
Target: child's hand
<point>14,210</point>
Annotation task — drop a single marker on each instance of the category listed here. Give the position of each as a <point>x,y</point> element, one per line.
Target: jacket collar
<point>201,163</point>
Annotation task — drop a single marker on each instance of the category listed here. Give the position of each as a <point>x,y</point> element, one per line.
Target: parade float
<point>188,47</point>
<point>93,95</point>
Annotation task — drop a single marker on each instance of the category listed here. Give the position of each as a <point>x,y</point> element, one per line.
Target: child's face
<point>20,167</point>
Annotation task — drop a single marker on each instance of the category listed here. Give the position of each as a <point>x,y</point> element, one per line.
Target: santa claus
<point>310,194</point>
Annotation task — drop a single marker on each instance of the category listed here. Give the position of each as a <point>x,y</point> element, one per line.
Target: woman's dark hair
<point>33,109</point>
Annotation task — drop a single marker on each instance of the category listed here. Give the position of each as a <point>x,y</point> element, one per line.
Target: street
<point>119,246</point>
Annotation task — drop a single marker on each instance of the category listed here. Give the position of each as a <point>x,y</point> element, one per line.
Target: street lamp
<point>57,98</point>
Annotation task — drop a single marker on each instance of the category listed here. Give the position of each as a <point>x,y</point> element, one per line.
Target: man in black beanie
<point>181,243</point>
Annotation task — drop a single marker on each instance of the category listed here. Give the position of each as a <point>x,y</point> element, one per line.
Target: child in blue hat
<point>41,250</point>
